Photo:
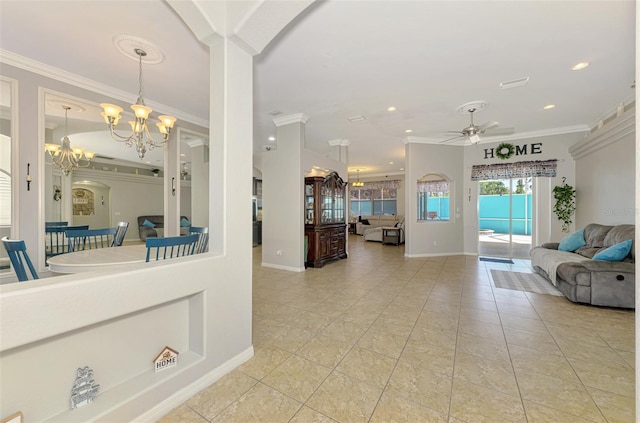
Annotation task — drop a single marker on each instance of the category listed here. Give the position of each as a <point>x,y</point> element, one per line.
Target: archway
<point>90,204</point>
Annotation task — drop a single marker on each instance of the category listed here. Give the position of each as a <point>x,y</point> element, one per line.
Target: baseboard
<point>281,267</point>
<point>162,409</point>
<point>432,255</point>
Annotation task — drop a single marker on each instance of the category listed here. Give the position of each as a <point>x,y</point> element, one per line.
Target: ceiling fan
<point>474,131</point>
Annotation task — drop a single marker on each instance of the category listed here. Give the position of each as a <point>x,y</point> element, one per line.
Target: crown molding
<point>621,127</point>
<point>197,143</point>
<point>289,119</point>
<point>513,137</point>
<point>58,74</point>
<point>339,142</point>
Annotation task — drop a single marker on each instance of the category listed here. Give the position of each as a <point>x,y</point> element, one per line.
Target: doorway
<point>505,217</point>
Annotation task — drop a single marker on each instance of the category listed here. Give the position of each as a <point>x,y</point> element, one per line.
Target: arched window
<point>434,197</point>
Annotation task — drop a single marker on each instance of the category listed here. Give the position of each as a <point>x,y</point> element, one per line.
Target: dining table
<point>98,259</point>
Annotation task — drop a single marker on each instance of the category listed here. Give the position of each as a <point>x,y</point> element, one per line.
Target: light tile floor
<point>383,338</point>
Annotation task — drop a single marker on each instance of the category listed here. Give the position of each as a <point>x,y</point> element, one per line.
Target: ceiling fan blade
<point>499,131</point>
<point>451,139</point>
<point>488,125</point>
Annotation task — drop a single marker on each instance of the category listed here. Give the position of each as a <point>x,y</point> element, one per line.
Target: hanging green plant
<point>565,205</point>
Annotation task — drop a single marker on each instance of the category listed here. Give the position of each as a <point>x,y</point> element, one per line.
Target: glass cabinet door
<point>308,204</point>
<point>339,205</point>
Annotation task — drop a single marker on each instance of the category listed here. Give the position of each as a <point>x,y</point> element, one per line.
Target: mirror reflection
<point>5,168</point>
<point>107,183</point>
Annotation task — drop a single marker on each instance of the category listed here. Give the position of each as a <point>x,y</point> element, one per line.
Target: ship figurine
<point>84,389</point>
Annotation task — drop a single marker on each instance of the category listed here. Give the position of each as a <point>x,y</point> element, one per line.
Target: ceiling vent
<point>515,83</point>
<point>356,118</point>
<point>275,113</point>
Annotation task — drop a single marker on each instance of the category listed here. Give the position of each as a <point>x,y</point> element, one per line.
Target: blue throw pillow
<point>184,223</point>
<point>573,241</point>
<point>148,224</point>
<point>616,252</point>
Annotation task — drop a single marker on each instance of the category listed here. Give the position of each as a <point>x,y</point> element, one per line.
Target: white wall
<point>605,174</point>
<point>420,237</point>
<point>460,235</point>
<point>546,227</point>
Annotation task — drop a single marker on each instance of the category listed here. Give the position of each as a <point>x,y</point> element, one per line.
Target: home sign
<point>506,150</point>
<point>167,358</point>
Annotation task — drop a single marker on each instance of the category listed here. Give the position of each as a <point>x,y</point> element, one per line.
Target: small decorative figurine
<point>84,389</point>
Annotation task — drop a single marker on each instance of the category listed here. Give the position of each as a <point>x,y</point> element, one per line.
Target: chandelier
<point>139,128</point>
<point>358,183</point>
<point>66,157</point>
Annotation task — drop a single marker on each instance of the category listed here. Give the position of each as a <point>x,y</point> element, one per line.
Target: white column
<point>199,182</point>
<point>340,150</point>
<point>282,193</point>
<point>172,186</point>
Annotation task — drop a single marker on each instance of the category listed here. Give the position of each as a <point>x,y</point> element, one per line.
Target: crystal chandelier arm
<point>118,137</point>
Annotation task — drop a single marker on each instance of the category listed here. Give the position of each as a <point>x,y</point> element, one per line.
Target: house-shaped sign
<point>168,357</point>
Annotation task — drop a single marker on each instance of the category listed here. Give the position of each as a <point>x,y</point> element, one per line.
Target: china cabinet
<point>325,219</point>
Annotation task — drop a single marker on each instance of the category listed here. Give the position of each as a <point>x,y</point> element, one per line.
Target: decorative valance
<point>514,170</point>
<point>381,185</point>
<point>433,186</point>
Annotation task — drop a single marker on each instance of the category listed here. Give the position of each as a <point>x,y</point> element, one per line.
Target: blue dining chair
<point>171,247</point>
<point>56,242</point>
<point>17,251</point>
<point>90,239</point>
<point>54,224</point>
<point>121,231</point>
<point>203,238</point>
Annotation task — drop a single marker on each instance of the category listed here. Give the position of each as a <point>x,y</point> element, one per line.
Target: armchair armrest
<point>550,245</point>
<point>609,266</point>
<point>360,228</point>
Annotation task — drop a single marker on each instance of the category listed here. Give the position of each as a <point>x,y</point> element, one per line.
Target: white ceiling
<point>348,58</point>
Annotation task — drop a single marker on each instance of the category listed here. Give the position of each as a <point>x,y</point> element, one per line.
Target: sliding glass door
<point>505,218</point>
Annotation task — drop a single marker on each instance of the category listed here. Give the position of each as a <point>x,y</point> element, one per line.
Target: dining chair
<point>121,231</point>
<point>17,251</point>
<point>203,238</point>
<point>53,224</point>
<point>90,239</point>
<point>171,247</point>
<point>56,242</point>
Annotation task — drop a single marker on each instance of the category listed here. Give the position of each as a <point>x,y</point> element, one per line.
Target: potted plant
<point>155,172</point>
<point>565,205</point>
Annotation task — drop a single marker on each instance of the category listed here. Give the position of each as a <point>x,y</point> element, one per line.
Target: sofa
<point>375,233</point>
<point>583,279</point>
<point>158,229</point>
<point>368,222</point>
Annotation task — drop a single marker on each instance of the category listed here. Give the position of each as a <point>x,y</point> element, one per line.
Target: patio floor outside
<point>497,245</point>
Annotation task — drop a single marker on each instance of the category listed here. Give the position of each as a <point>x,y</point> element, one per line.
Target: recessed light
<point>580,66</point>
<point>182,155</point>
<point>408,131</point>
<point>549,106</point>
<point>272,138</point>
<point>390,162</point>
<point>391,109</point>
<point>402,168</point>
